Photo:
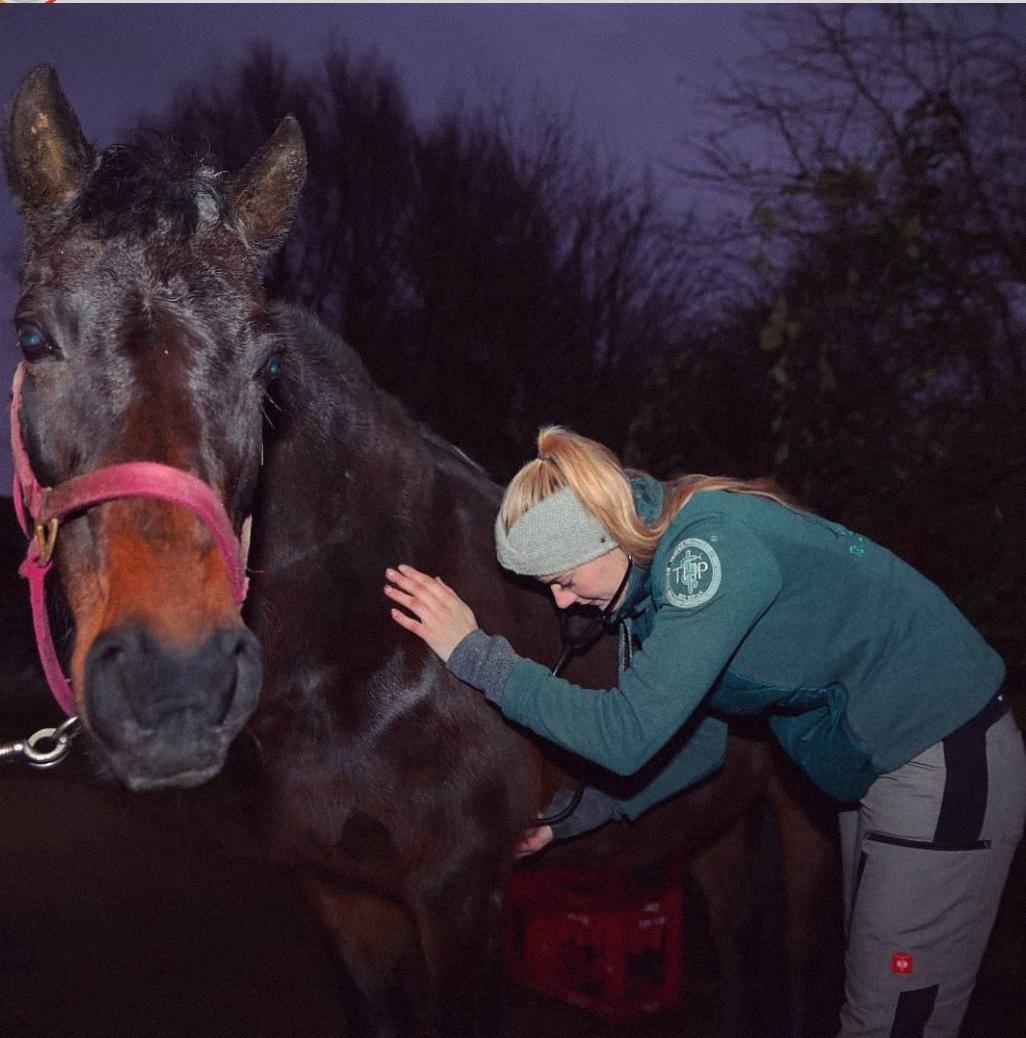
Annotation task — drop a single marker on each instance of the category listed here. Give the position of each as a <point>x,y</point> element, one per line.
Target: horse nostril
<point>109,656</point>
<point>110,666</point>
<point>240,677</point>
<point>134,679</point>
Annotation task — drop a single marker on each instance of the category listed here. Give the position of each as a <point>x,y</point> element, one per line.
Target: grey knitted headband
<point>554,536</point>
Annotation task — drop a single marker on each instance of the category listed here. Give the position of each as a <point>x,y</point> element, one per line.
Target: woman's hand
<point>440,616</point>
<point>534,840</point>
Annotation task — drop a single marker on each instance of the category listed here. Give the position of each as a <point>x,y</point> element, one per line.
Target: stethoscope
<point>573,642</point>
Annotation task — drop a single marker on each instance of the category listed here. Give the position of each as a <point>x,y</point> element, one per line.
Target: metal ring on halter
<point>31,751</point>
<point>46,538</point>
<point>60,737</point>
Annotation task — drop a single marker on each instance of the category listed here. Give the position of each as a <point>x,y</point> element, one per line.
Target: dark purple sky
<point>617,67</point>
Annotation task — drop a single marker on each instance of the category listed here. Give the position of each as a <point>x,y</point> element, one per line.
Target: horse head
<point>145,340</point>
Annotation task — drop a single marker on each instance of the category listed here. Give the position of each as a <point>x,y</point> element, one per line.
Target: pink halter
<point>41,509</point>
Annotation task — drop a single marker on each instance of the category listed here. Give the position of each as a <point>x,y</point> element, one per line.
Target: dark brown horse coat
<point>395,794</point>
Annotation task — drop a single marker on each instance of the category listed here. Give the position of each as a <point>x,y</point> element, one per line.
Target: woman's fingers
<point>400,596</point>
<point>401,577</point>
<point>405,621</point>
<point>413,578</point>
<point>417,586</point>
<point>411,602</point>
<point>407,592</point>
<point>534,840</point>
<point>443,619</point>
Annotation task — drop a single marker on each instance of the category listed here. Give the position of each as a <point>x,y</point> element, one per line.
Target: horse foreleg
<point>376,946</point>
<point>461,940</point>
<point>720,873</point>
<point>806,822</point>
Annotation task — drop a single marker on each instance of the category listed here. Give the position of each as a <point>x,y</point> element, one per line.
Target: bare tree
<point>559,276</point>
<point>885,229</point>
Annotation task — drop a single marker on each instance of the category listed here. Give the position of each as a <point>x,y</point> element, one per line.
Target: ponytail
<point>603,486</point>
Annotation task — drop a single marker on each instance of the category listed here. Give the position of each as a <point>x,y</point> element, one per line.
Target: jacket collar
<point>637,596</point>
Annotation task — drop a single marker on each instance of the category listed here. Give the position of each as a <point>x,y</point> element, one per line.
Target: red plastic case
<point>606,941</point>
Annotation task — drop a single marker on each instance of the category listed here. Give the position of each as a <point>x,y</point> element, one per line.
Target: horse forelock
<point>148,186</point>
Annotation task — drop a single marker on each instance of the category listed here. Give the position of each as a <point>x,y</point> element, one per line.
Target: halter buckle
<point>46,538</point>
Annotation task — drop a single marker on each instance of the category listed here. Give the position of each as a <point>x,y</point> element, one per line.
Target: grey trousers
<point>925,858</point>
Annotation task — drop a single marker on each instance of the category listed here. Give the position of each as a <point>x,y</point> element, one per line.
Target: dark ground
<point>128,916</point>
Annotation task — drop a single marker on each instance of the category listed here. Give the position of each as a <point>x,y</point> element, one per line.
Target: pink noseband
<point>41,509</point>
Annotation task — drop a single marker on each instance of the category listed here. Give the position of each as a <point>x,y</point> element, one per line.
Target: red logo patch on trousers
<point>901,962</point>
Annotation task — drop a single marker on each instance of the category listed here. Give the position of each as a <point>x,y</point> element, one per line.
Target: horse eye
<point>34,343</point>
<point>272,367</point>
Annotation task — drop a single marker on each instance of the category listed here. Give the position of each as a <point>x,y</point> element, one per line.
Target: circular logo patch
<point>693,573</point>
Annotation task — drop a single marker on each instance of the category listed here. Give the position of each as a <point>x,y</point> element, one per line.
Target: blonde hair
<point>603,486</point>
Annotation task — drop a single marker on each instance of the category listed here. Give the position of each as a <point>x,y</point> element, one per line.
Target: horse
<point>164,409</point>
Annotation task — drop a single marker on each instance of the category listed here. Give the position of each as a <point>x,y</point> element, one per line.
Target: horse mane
<point>449,449</point>
<point>334,375</point>
<point>329,356</point>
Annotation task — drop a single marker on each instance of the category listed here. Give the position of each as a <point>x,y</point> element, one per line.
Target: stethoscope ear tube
<point>581,640</point>
<point>575,643</point>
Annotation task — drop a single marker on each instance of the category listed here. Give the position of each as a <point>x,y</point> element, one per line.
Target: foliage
<point>890,206</point>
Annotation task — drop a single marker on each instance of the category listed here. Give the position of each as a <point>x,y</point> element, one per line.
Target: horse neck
<point>349,476</point>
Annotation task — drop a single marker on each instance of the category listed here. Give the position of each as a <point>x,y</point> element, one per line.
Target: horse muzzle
<point>165,718</point>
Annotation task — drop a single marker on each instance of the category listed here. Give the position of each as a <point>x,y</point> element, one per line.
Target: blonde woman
<point>740,602</point>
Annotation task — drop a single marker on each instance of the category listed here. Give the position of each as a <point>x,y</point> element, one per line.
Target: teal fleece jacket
<point>751,607</point>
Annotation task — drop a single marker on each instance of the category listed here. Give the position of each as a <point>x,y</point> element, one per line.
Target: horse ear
<point>265,193</point>
<point>46,157</point>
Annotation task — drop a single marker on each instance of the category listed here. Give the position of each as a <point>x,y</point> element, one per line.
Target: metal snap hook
<point>49,746</point>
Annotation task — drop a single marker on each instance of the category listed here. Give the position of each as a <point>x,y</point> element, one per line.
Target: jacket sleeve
<point>699,755</point>
<point>697,629</point>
